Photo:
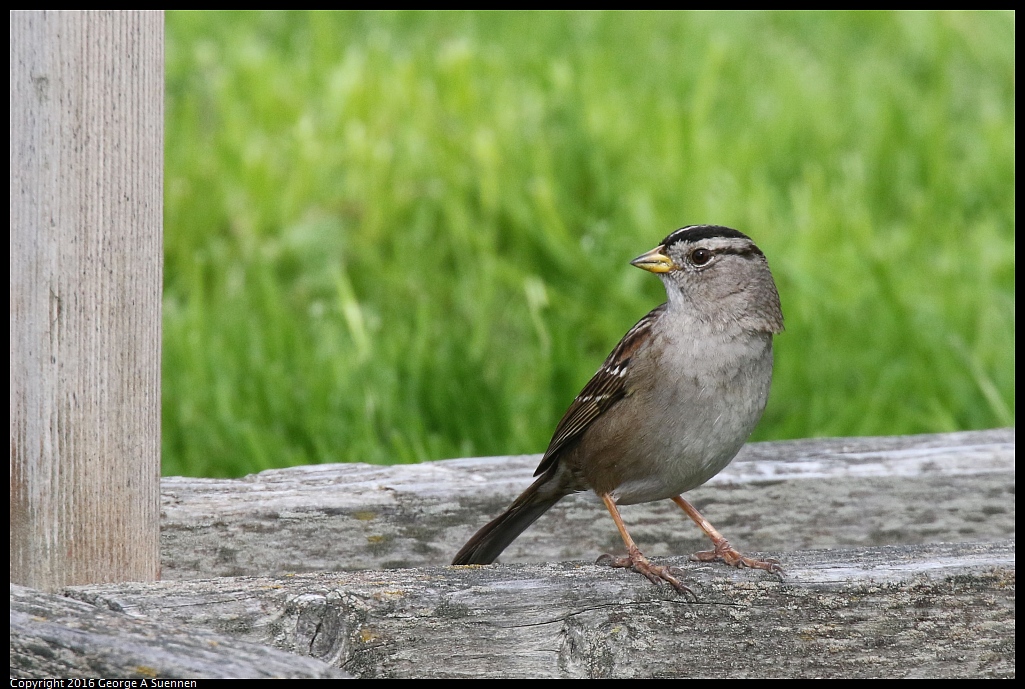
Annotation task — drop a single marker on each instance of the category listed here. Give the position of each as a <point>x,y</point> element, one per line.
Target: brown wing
<point>605,388</point>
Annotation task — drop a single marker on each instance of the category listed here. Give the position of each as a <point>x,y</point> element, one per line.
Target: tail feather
<point>495,536</point>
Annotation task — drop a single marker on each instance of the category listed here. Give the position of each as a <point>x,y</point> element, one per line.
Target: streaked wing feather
<point>605,388</point>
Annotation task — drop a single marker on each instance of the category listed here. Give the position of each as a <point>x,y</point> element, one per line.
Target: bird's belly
<point>677,473</point>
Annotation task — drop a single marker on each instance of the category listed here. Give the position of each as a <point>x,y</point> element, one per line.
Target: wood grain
<point>87,93</point>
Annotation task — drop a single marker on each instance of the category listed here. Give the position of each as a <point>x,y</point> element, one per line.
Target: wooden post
<point>87,92</point>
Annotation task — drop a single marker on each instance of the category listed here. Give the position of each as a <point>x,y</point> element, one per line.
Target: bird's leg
<point>635,560</point>
<point>723,550</point>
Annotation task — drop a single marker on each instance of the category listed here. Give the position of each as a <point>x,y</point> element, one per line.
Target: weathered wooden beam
<point>780,496</point>
<point>86,257</point>
<point>908,611</point>
<point>57,637</point>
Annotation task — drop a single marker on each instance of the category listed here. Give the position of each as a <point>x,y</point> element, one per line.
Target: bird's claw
<point>732,557</point>
<point>654,573</point>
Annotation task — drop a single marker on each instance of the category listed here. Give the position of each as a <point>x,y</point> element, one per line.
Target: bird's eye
<point>700,257</point>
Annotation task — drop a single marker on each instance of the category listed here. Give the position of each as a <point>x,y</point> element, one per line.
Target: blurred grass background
<point>395,237</point>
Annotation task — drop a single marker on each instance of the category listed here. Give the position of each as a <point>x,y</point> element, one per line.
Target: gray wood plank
<point>57,637</point>
<point>780,496</point>
<point>905,611</point>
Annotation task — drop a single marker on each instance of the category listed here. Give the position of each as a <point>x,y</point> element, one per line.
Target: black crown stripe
<point>694,233</point>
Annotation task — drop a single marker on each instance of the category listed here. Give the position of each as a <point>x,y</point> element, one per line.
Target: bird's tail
<point>494,537</point>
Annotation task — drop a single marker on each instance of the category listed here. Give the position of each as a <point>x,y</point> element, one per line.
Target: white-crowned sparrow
<point>672,405</point>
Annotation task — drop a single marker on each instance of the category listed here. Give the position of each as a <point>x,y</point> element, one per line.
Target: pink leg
<point>723,550</point>
<point>635,560</point>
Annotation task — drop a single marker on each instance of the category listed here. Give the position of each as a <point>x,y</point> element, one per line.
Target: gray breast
<point>708,401</point>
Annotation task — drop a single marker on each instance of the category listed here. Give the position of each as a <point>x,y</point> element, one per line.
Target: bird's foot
<point>728,554</point>
<point>654,573</point>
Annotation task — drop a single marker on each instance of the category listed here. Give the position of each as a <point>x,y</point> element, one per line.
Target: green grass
<point>394,237</point>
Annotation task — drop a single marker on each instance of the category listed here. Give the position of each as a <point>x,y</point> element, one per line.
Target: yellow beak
<point>654,261</point>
